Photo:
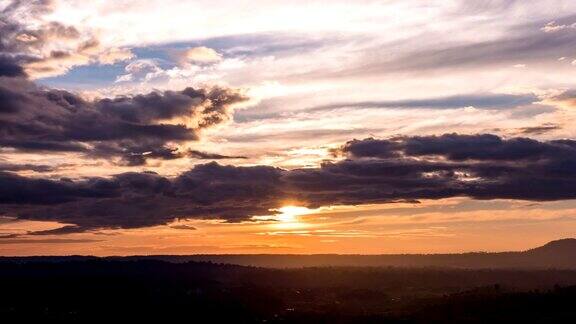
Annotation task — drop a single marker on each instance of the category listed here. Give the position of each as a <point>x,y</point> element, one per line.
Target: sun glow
<point>289,217</point>
<point>289,214</point>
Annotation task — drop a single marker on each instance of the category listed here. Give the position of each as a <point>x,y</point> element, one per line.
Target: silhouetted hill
<point>560,254</point>
<point>558,247</point>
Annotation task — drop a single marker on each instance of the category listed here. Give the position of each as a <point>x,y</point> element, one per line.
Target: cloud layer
<point>328,79</point>
<point>47,48</point>
<point>131,127</point>
<point>374,171</point>
<point>128,129</point>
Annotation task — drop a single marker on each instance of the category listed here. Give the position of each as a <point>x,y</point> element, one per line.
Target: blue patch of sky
<point>86,77</point>
<point>254,45</point>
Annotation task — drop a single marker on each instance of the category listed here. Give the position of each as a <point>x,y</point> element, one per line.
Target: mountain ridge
<point>561,245</point>
<point>557,254</point>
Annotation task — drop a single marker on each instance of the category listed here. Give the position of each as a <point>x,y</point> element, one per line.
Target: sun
<point>289,214</point>
<point>288,217</point>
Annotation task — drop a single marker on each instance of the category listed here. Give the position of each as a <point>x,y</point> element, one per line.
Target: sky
<point>358,127</point>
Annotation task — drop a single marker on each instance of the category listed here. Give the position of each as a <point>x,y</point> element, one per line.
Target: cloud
<point>9,68</point>
<point>183,227</point>
<point>528,48</point>
<point>553,27</point>
<point>521,43</point>
<point>47,48</point>
<point>481,101</point>
<point>142,69</point>
<point>539,130</point>
<point>127,129</point>
<point>46,241</point>
<point>389,170</point>
<point>565,99</point>
<point>431,167</point>
<point>199,55</point>
<point>133,128</point>
<point>132,200</point>
<point>10,167</point>
<point>197,63</point>
<point>455,147</point>
<point>138,155</point>
<point>211,156</point>
<point>114,55</point>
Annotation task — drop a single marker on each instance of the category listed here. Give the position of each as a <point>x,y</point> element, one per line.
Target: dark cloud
<point>26,167</point>
<point>184,227</point>
<point>479,147</point>
<point>9,68</point>
<point>374,171</point>
<point>371,147</point>
<point>131,127</point>
<point>21,190</point>
<point>455,147</point>
<point>132,200</point>
<point>211,156</point>
<point>539,130</point>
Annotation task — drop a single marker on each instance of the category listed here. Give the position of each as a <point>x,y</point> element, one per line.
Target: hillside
<point>559,254</point>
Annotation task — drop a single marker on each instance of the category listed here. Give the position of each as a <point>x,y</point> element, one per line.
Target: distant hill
<point>564,247</point>
<point>560,254</point>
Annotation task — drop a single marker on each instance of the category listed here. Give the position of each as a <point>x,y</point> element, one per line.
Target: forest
<point>100,290</point>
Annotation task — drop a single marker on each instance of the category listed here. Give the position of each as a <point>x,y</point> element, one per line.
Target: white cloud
<point>200,55</point>
<point>140,70</point>
<point>553,27</point>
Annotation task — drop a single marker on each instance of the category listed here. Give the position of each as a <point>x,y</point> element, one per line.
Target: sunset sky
<point>363,127</point>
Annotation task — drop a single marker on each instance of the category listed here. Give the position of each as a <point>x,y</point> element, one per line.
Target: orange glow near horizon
<point>435,226</point>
